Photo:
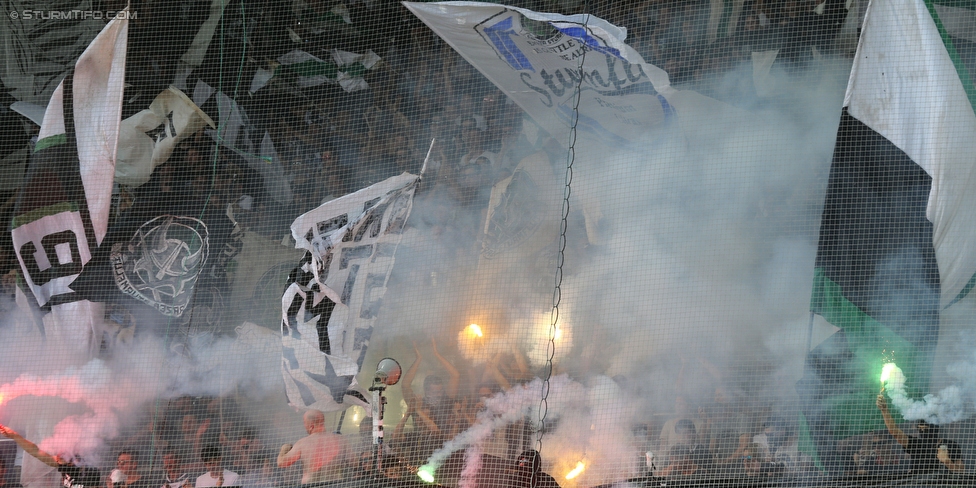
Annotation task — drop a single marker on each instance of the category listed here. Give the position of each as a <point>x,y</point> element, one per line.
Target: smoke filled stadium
<point>526,243</point>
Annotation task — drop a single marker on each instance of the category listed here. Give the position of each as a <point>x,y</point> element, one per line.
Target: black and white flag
<point>333,297</point>
<point>62,213</point>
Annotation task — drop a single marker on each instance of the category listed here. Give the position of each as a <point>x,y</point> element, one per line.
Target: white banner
<point>334,295</point>
<point>539,60</point>
<point>63,209</point>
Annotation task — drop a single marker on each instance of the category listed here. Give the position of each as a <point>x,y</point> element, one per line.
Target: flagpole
<point>342,417</point>
<point>423,169</point>
<point>810,332</point>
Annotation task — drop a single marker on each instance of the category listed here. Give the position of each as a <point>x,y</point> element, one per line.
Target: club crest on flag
<point>160,264</point>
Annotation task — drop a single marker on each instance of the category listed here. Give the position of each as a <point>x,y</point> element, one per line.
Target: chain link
<point>560,259</point>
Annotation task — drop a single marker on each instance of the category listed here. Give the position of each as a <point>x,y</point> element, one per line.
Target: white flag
<point>62,214</point>
<point>334,295</point>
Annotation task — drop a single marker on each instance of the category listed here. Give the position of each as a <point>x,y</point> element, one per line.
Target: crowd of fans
<point>202,439</point>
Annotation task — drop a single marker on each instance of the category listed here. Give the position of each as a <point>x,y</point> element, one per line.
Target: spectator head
<point>485,391</point>
<point>127,462</point>
<point>404,159</point>
<point>314,421</point>
<point>173,464</point>
<point>952,451</point>
<point>685,432</point>
<point>212,456</point>
<point>434,390</point>
<point>246,449</point>
<point>777,430</point>
<point>472,136</point>
<point>684,426</point>
<point>366,462</point>
<point>529,462</point>
<point>927,430</point>
<point>366,427</point>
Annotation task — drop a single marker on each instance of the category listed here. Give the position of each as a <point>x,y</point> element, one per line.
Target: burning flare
<point>580,466</point>
<point>886,371</point>
<point>475,331</point>
<point>426,473</point>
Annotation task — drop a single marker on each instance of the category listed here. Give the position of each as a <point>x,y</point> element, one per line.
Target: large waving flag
<point>62,214</point>
<point>897,240</point>
<point>539,60</point>
<point>334,295</point>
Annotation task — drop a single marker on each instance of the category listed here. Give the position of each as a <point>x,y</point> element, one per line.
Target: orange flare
<point>580,466</point>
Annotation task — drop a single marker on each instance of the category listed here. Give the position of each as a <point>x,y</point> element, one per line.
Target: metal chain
<point>560,256</point>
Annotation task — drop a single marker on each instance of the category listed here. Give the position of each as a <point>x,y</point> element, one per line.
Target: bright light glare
<point>426,473</point>
<point>475,330</point>
<point>886,371</point>
<point>580,466</point>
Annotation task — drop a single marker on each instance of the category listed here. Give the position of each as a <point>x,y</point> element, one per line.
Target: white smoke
<point>109,392</point>
<point>684,258</point>
<point>943,408</point>
<point>511,406</point>
<point>964,374</point>
<point>583,422</point>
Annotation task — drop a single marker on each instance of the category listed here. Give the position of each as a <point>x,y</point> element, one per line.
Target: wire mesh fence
<point>566,243</point>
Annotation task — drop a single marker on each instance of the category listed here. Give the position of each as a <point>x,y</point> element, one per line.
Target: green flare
<point>886,372</point>
<point>426,473</point>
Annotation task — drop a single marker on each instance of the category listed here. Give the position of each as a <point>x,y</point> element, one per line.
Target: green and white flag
<point>897,241</point>
<point>63,210</point>
<point>345,69</point>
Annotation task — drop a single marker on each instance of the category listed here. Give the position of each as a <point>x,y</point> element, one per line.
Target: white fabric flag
<point>334,295</point>
<point>139,154</point>
<point>63,211</point>
<point>539,59</point>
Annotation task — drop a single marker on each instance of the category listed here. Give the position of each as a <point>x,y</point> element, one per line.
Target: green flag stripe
<point>50,141</point>
<point>862,331</point>
<point>42,212</point>
<point>968,4</point>
<point>355,70</point>
<point>962,293</point>
<point>313,68</point>
<point>329,70</point>
<point>961,71</point>
<point>723,25</point>
<point>806,444</point>
<point>873,344</point>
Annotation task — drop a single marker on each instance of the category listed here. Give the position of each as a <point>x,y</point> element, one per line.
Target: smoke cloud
<point>582,422</point>
<point>937,409</point>
<point>109,392</point>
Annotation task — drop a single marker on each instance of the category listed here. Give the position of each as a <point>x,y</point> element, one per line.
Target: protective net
<point>577,243</point>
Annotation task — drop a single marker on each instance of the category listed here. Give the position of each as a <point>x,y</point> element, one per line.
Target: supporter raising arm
<point>923,449</point>
<point>29,447</point>
<point>436,409</point>
<point>71,474</point>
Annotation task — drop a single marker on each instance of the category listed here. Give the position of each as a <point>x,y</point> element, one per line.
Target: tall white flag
<point>62,214</point>
<point>334,295</point>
